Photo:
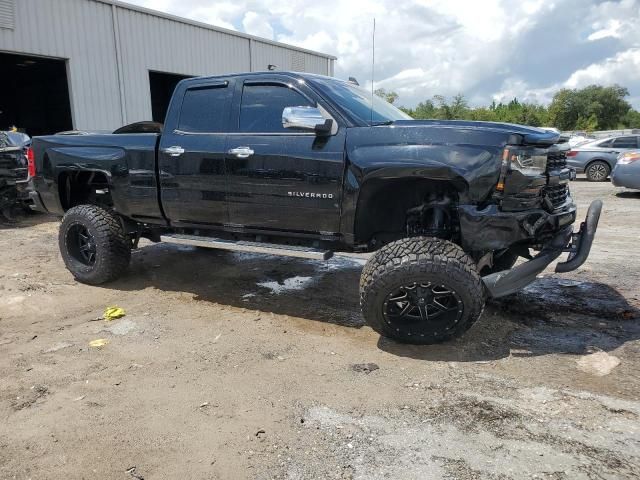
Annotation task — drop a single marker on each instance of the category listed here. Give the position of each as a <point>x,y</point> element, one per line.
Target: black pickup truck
<point>304,165</point>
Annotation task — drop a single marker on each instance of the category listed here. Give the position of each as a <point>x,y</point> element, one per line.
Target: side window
<point>625,142</point>
<point>262,106</point>
<point>605,144</point>
<point>205,109</point>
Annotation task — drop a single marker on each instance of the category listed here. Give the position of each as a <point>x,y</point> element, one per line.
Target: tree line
<point>595,107</point>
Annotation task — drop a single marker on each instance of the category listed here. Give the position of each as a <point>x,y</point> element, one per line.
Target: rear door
<point>281,179</point>
<point>192,153</point>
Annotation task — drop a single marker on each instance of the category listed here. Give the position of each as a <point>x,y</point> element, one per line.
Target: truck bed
<point>128,160</point>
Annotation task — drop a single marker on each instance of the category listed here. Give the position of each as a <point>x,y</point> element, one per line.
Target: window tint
<point>605,144</point>
<point>262,106</point>
<point>625,142</point>
<point>205,110</point>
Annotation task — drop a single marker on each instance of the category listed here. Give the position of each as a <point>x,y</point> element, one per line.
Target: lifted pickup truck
<point>305,165</point>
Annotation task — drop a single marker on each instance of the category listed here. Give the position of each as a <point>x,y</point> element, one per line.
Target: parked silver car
<point>626,173</point>
<point>597,158</point>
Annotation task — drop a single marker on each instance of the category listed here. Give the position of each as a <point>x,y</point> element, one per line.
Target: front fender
<point>472,170</point>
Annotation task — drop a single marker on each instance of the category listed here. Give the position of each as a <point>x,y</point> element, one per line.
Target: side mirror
<point>306,118</point>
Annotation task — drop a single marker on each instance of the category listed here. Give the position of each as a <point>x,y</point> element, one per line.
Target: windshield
<point>356,102</point>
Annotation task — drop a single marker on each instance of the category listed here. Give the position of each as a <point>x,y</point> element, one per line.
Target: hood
<point>519,134</point>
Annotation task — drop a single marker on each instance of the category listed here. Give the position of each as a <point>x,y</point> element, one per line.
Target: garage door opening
<point>34,94</point>
<point>162,86</point>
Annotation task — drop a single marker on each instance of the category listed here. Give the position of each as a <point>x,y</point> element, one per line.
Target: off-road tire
<point>420,259</point>
<point>596,169</point>
<point>113,250</point>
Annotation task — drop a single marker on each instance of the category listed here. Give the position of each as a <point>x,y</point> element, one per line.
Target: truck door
<point>279,179</point>
<point>192,151</point>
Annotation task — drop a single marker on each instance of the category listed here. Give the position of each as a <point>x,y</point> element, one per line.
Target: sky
<point>485,49</point>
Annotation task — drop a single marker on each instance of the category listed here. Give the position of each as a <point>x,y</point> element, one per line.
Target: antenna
<point>373,63</point>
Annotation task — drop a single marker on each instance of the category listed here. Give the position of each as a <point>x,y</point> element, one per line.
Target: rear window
<point>205,109</point>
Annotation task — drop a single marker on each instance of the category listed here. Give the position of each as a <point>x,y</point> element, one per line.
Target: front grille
<point>556,159</point>
<point>557,194</point>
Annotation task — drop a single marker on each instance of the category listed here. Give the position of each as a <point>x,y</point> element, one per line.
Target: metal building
<point>101,64</point>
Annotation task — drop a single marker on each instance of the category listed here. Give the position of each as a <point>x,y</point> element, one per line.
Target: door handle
<point>241,152</point>
<point>174,151</point>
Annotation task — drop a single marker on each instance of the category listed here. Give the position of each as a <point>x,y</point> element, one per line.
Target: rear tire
<point>421,290</point>
<point>93,244</point>
<point>597,171</point>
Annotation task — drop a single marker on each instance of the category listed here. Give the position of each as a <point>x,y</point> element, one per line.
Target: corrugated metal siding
<point>6,14</point>
<point>154,43</point>
<point>83,33</point>
<point>265,54</point>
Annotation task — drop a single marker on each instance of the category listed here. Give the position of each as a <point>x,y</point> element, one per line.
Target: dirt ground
<point>230,366</point>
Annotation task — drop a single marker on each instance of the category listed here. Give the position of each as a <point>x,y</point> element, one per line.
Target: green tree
<point>591,108</point>
<point>606,105</point>
<point>631,119</point>
<point>388,96</point>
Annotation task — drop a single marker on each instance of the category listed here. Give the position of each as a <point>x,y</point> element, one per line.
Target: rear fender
<point>108,161</point>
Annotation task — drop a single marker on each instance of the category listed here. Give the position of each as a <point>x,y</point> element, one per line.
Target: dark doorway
<point>34,94</point>
<point>162,86</point>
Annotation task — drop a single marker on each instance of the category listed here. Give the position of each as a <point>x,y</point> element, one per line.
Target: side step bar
<point>250,247</point>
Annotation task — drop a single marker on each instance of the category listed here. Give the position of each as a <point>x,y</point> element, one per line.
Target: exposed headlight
<point>528,161</point>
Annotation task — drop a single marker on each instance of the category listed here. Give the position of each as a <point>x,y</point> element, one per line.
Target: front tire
<point>421,290</point>
<point>597,171</point>
<point>93,244</point>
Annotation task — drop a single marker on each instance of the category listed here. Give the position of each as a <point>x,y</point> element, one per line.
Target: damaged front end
<point>531,208</point>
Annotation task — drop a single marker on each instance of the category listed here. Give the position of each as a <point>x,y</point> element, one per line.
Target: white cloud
<point>623,68</point>
<point>258,25</point>
<point>610,29</point>
<point>485,49</point>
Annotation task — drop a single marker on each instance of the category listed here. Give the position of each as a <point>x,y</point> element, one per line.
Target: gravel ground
<point>244,366</point>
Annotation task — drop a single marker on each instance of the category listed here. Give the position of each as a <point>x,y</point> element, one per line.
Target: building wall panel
<point>80,32</point>
<point>153,43</point>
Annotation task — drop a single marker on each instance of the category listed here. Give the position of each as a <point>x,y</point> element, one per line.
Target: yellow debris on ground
<point>100,342</point>
<point>111,313</point>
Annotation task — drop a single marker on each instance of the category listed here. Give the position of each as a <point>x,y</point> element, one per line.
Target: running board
<point>250,247</point>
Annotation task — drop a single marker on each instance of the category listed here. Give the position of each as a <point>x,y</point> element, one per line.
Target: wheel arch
<point>383,203</point>
<point>80,187</point>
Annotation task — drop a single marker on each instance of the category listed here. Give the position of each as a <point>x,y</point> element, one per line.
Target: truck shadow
<point>553,315</point>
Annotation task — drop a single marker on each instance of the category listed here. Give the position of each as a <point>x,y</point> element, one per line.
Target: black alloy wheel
<point>81,244</point>
<point>420,309</point>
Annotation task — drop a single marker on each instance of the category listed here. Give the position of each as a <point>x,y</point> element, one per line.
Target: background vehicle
<point>626,173</point>
<point>597,158</point>
<point>13,170</point>
<point>304,165</point>
<point>578,138</point>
